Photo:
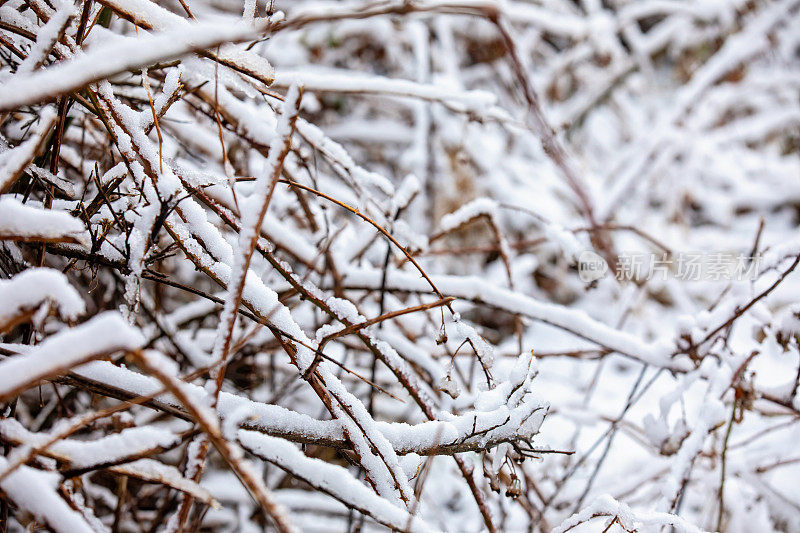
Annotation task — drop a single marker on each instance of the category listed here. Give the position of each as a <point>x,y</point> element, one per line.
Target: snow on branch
<point>576,322</point>
<point>409,265</point>
<point>124,54</point>
<point>102,335</point>
<point>35,491</point>
<point>23,295</point>
<point>20,222</point>
<point>619,513</point>
<point>14,161</point>
<point>330,479</point>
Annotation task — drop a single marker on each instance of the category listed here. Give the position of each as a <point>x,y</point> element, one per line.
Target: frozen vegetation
<point>411,265</point>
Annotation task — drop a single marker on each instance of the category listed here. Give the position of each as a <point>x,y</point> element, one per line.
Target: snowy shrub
<point>418,265</point>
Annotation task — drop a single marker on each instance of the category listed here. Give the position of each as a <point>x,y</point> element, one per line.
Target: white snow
<point>29,289</point>
<point>35,491</point>
<point>104,334</point>
<point>24,222</point>
<point>657,131</point>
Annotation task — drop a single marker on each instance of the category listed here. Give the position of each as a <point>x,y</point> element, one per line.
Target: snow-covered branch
<point>421,265</point>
